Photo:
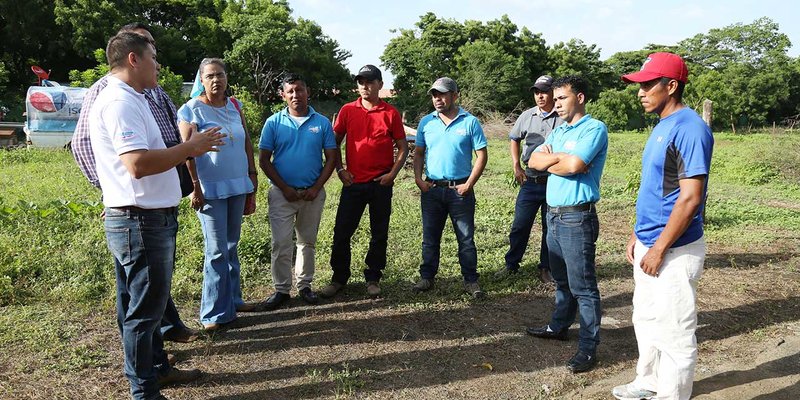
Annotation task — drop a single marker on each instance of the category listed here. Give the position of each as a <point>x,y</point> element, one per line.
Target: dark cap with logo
<point>543,83</point>
<point>370,73</point>
<point>444,85</point>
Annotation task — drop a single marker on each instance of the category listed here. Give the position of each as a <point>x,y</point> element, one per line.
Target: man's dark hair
<point>122,44</point>
<point>679,91</point>
<point>133,26</point>
<point>575,82</point>
<point>290,78</point>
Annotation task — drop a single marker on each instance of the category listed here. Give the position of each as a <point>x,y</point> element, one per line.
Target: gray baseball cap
<point>543,83</point>
<point>444,85</point>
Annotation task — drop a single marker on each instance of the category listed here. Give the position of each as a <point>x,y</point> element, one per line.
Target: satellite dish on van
<point>40,73</point>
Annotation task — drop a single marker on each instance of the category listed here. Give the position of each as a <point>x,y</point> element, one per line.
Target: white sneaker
<point>630,392</point>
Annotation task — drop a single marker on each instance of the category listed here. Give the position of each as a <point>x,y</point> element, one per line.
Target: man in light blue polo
<point>574,154</point>
<point>292,142</point>
<point>446,139</point>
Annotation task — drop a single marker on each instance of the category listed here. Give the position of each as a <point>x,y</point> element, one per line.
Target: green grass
<point>52,246</point>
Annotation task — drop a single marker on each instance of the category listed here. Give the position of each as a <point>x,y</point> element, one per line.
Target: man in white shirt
<point>141,192</point>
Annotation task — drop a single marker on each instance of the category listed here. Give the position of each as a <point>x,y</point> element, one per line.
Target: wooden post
<point>333,120</point>
<point>708,111</point>
<point>404,117</point>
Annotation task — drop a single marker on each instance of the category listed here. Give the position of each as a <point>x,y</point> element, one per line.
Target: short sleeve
<point>478,137</point>
<point>398,129</point>
<point>516,133</point>
<point>186,114</point>
<point>267,141</point>
<point>340,125</point>
<point>126,127</point>
<point>694,145</point>
<point>420,140</point>
<point>328,138</point>
<point>591,143</point>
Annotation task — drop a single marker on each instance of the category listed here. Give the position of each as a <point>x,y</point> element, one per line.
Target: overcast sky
<point>364,27</point>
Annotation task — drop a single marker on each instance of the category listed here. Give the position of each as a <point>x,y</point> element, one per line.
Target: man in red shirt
<point>372,128</point>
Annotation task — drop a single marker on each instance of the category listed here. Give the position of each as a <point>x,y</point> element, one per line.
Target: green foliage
<point>254,113</point>
<point>620,109</point>
<point>577,58</point>
<point>492,62</point>
<point>88,77</point>
<point>267,42</point>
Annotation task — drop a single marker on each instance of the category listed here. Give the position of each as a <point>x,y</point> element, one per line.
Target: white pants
<point>665,320</point>
<point>301,217</point>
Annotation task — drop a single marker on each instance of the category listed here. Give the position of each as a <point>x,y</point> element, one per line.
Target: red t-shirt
<point>370,138</point>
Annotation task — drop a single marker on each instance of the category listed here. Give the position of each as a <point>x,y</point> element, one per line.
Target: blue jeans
<point>571,241</point>
<point>172,320</point>
<point>221,221</point>
<point>530,199</point>
<point>437,203</point>
<point>143,245</point>
<point>354,199</point>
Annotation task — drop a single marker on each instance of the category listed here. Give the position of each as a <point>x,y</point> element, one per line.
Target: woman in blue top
<point>225,183</point>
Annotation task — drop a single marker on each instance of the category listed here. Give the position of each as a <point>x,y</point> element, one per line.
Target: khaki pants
<point>665,320</point>
<point>303,217</point>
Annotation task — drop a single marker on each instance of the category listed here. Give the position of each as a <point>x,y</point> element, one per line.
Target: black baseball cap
<point>370,73</point>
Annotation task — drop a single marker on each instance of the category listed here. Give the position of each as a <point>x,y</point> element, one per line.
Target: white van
<point>52,113</point>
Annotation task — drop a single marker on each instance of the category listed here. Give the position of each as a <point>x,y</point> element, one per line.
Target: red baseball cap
<point>660,65</point>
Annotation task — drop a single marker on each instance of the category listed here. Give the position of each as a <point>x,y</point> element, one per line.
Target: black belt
<point>139,210</point>
<point>568,209</point>
<point>540,180</point>
<point>446,183</point>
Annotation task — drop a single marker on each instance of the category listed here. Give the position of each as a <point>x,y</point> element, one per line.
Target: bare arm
<point>327,170</point>
<point>544,158</point>
<point>196,198</point>
<point>402,152</point>
<point>141,163</point>
<point>689,200</point>
<point>568,164</point>
<point>344,175</point>
<point>519,173</point>
<point>419,162</point>
<point>265,161</point>
<point>475,174</point>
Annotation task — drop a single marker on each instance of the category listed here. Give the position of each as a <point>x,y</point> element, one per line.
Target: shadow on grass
<point>789,365</point>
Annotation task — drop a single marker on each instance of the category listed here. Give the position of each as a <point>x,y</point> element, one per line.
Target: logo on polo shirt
<point>314,129</point>
<point>461,132</point>
<point>570,145</point>
<point>125,135</point>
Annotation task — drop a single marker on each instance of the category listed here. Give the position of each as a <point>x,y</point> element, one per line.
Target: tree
<point>268,42</point>
<point>489,78</point>
<point>577,58</point>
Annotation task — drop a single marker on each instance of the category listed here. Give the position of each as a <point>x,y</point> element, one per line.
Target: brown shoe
<point>247,307</point>
<point>172,359</point>
<point>184,335</point>
<point>544,276</point>
<point>329,291</point>
<point>373,289</point>
<point>178,377</point>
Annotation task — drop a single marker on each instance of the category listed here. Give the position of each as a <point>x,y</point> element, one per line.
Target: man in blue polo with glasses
<point>446,139</point>
<point>574,154</point>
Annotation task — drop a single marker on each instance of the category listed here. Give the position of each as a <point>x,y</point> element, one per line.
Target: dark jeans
<point>571,240</point>
<point>172,320</point>
<point>437,204</point>
<point>143,245</point>
<point>530,199</point>
<point>351,207</point>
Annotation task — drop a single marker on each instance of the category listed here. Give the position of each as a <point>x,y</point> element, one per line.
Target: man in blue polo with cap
<point>446,140</point>
<point>574,154</point>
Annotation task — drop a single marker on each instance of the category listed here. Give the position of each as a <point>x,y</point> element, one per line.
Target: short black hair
<point>291,78</point>
<point>134,26</point>
<point>575,82</point>
<point>122,44</point>
<point>679,92</point>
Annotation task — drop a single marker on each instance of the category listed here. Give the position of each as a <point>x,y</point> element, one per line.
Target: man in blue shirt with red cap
<point>667,248</point>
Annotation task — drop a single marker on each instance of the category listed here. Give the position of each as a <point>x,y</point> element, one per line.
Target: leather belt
<point>446,183</point>
<point>568,209</point>
<point>539,180</point>
<point>139,210</point>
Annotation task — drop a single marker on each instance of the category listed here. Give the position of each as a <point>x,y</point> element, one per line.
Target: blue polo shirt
<point>297,150</point>
<point>680,147</point>
<point>448,148</point>
<point>587,139</point>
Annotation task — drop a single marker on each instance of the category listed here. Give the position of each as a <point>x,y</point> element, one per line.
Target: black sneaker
<point>308,296</point>
<point>581,362</point>
<point>274,301</point>
<point>545,332</point>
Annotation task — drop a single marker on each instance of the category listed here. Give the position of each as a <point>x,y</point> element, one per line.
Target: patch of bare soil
<point>749,337</point>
